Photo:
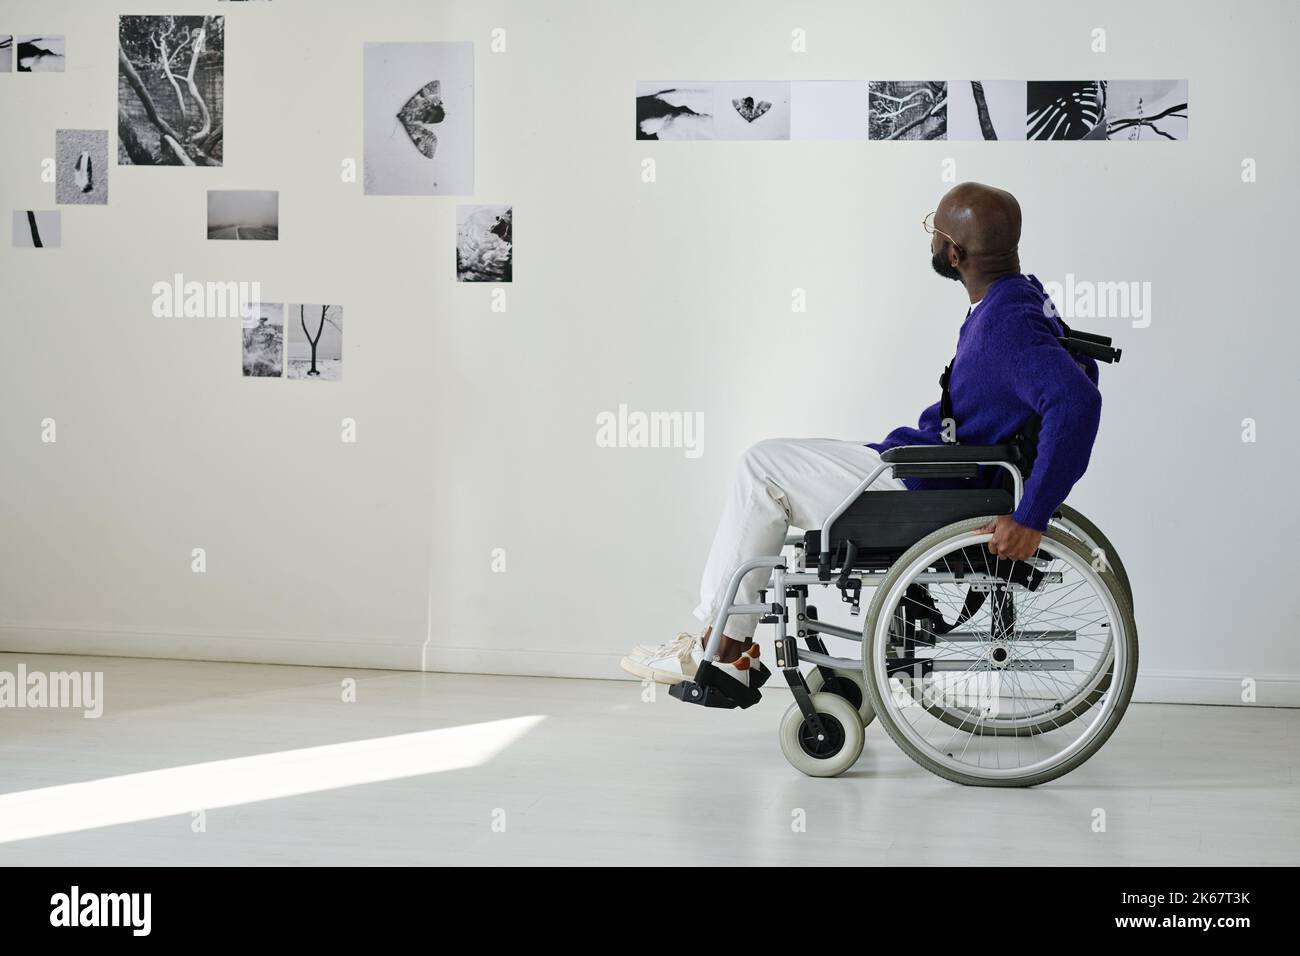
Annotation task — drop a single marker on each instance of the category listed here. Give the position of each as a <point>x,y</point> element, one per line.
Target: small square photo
<point>485,243</point>
<point>243,214</point>
<point>40,54</point>
<point>37,229</point>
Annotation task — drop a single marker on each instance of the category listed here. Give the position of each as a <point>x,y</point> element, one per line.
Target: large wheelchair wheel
<point>1029,687</point>
<point>1096,683</point>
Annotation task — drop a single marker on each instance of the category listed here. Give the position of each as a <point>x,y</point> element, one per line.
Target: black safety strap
<point>970,607</point>
<point>1021,573</point>
<point>945,398</point>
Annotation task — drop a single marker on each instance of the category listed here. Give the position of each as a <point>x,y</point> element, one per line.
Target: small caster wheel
<point>836,750</point>
<point>846,684</point>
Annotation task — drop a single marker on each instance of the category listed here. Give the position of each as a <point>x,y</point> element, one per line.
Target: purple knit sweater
<point>1008,367</point>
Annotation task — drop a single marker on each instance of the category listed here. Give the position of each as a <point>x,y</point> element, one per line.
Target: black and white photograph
<point>674,110</point>
<point>1066,109</point>
<point>484,243</point>
<point>1146,110</point>
<point>315,343</point>
<point>751,110</point>
<point>263,334</point>
<point>81,166</point>
<point>43,53</point>
<point>907,109</point>
<point>828,110</point>
<point>6,53</point>
<point>986,109</point>
<point>243,214</point>
<point>171,90</point>
<point>418,126</point>
<point>37,229</point>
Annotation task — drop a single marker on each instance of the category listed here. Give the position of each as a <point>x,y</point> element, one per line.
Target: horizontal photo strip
<point>883,110</point>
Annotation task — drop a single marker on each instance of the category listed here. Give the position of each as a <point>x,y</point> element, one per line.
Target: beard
<point>942,266</point>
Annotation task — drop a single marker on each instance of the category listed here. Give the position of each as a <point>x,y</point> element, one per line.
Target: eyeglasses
<point>928,226</point>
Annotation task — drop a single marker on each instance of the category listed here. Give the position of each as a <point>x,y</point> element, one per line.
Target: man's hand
<point>1011,540</point>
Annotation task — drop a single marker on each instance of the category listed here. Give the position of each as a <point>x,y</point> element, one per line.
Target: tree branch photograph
<point>170,90</point>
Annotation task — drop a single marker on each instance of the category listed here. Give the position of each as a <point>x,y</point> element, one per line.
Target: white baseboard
<point>250,648</point>
<point>1165,687</point>
<point>304,651</point>
<point>1171,687</point>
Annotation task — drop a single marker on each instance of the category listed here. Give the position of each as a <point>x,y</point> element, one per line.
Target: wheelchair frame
<point>782,579</point>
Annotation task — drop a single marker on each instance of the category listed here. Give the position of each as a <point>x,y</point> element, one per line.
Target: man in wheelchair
<point>1010,371</point>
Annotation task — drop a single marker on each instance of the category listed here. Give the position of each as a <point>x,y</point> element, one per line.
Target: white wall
<point>476,429</point>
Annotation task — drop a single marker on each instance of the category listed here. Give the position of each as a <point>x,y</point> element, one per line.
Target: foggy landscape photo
<point>243,214</point>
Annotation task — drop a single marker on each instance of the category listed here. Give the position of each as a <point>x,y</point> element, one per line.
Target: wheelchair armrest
<point>949,454</point>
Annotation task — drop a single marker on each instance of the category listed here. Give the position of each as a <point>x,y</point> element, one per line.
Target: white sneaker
<point>670,663</point>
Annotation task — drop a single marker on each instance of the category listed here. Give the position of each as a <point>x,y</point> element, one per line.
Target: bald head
<point>985,223</point>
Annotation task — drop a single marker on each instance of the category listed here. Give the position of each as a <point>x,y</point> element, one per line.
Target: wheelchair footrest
<point>715,688</point>
<point>692,693</point>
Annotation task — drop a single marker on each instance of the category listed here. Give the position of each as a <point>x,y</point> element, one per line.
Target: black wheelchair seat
<point>884,524</point>
<point>936,454</point>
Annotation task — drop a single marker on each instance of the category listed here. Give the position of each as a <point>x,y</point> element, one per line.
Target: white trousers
<point>779,483</point>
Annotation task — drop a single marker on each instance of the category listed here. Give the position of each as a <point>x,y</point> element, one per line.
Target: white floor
<point>596,777</point>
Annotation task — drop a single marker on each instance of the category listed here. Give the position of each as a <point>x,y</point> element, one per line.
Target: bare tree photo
<point>316,342</point>
<point>170,91</point>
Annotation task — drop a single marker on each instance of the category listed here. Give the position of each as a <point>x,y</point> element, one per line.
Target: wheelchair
<point>985,671</point>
